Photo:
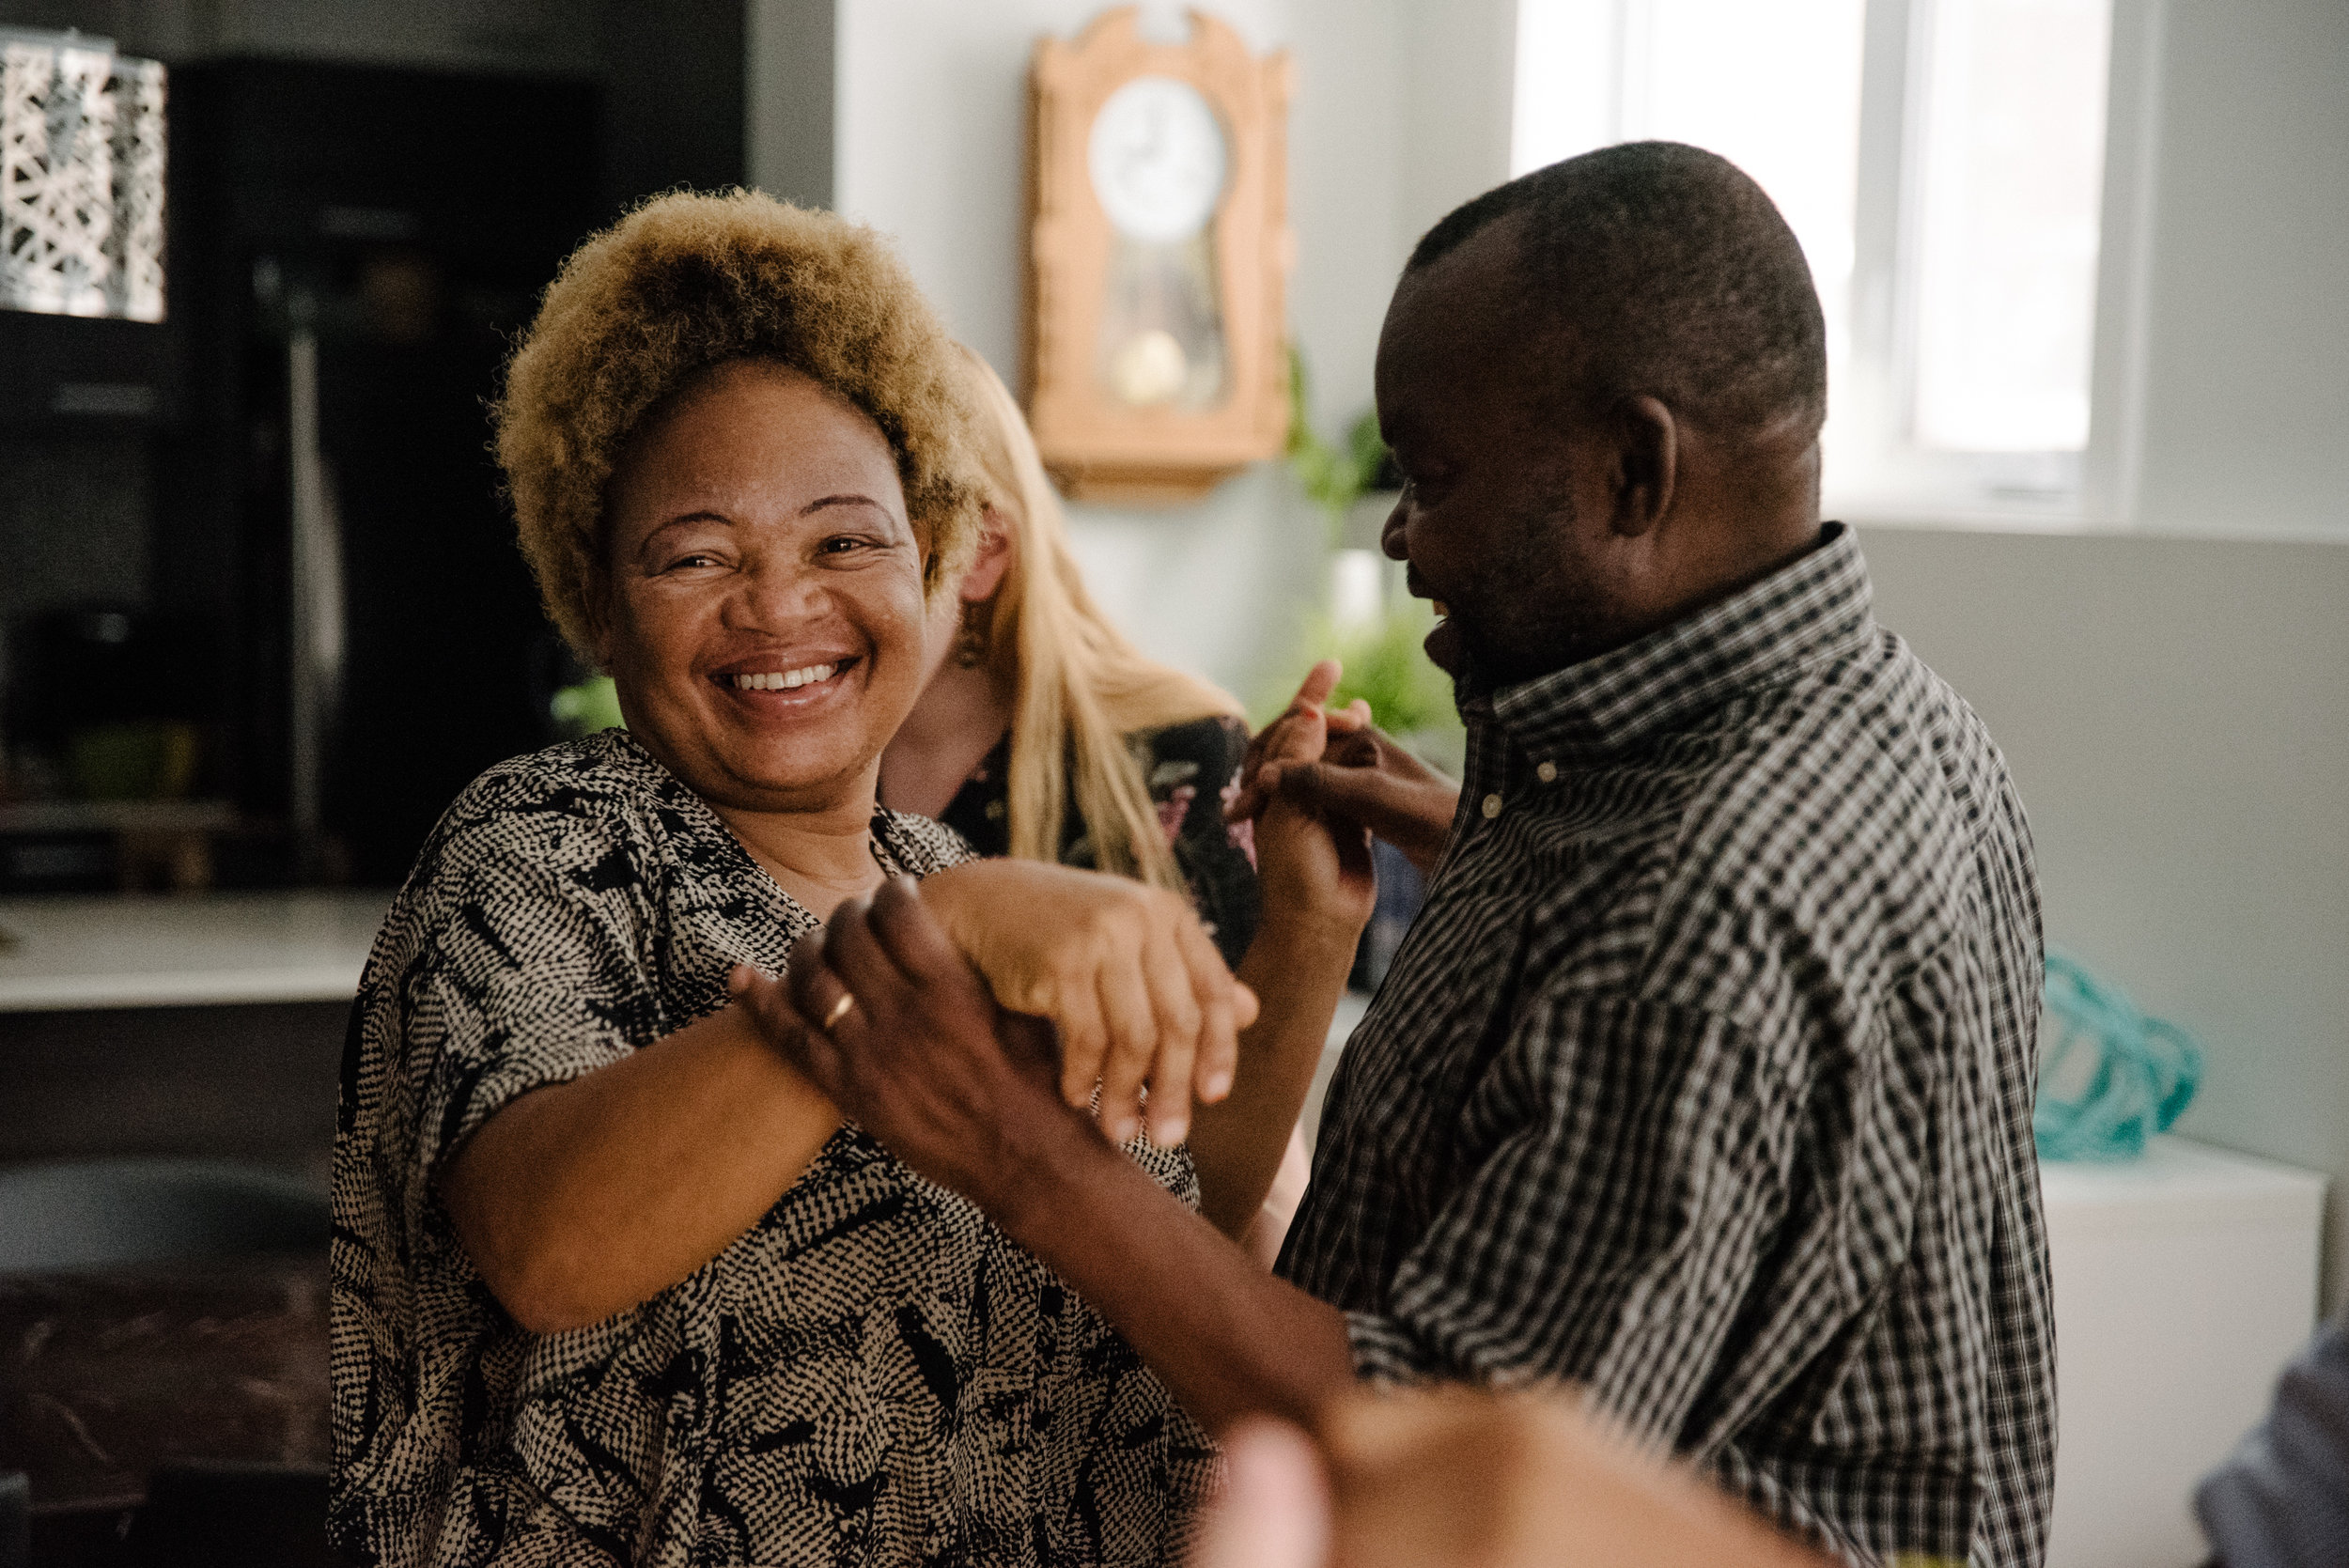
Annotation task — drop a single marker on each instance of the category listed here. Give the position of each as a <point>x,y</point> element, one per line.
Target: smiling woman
<point>611,1281</point>
<point>763,618</point>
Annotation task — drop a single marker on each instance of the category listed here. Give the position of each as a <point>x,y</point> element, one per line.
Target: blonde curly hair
<point>690,281</point>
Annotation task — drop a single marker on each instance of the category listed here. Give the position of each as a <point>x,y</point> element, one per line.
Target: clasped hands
<point>999,991</point>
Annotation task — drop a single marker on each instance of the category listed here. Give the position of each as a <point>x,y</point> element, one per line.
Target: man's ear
<point>1647,448</point>
<point>994,559</point>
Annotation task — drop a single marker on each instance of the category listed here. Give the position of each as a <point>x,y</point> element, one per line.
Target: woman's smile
<point>791,691</point>
<point>770,684</point>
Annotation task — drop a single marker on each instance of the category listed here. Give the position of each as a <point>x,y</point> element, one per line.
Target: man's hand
<point>1366,776</point>
<point>1314,865</point>
<point>1336,766</point>
<point>922,1057</point>
<point>1297,735</point>
<point>1125,973</point>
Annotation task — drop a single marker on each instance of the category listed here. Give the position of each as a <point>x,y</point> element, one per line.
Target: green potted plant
<point>1366,622</point>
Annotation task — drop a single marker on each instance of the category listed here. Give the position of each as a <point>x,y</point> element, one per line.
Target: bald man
<point>1703,1081</point>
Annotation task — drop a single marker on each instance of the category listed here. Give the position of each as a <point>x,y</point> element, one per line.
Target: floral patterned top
<point>1192,770</point>
<point>872,1375</point>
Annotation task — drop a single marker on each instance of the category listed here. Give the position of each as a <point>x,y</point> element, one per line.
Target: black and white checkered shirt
<point>1704,1080</point>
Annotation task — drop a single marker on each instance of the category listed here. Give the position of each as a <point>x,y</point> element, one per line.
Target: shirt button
<point>1546,773</point>
<point>1493,807</point>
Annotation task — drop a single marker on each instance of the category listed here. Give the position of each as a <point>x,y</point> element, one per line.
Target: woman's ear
<point>994,559</point>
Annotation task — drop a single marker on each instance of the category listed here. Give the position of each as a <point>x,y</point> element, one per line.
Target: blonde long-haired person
<point>1045,733</point>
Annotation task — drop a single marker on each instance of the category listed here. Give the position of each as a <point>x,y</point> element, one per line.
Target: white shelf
<point>73,953</point>
<point>2184,1281</point>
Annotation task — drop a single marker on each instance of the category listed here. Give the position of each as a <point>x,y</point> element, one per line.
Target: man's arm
<point>926,1062</point>
<point>1229,1338</point>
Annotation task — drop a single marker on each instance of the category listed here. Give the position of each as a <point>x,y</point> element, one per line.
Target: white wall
<point>1458,96</point>
<point>789,55</point>
<point>2175,700</point>
<point>928,146</point>
<point>2247,413</point>
<point>2175,714</point>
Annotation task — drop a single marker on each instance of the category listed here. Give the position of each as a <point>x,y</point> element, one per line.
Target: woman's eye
<point>840,544</point>
<point>699,558</point>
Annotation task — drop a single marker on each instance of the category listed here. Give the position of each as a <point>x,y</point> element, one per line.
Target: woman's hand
<point>1366,777</point>
<point>1336,765</point>
<point>1296,737</point>
<point>1125,973</point>
<point>1312,862</point>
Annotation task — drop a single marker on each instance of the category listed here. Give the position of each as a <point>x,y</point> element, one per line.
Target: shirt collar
<point>1814,607</point>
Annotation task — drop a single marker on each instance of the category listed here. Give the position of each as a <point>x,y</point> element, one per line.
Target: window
<point>1942,162</point>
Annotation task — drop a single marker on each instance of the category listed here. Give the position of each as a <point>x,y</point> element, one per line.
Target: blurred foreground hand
<point>1460,1477</point>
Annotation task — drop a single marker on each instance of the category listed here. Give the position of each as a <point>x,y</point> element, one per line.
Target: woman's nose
<point>777,589</point>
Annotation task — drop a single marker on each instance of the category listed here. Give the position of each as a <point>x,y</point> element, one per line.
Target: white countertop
<point>178,952</point>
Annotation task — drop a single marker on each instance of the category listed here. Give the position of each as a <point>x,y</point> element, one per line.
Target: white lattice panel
<point>81,183</point>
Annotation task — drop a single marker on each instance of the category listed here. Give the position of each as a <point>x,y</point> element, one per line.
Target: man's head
<point>1604,383</point>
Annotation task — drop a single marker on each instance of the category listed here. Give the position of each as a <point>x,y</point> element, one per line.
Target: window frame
<point>1900,481</point>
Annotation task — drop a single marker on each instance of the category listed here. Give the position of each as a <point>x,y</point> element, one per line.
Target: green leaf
<point>1333,478</point>
<point>590,705</point>
<point>1385,665</point>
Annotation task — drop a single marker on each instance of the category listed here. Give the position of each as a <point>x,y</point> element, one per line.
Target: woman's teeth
<point>784,680</point>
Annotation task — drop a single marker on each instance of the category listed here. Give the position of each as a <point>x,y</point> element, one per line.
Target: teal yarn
<point>2110,1077</point>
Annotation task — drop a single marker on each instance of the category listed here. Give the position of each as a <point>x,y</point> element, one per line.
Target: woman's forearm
<point>1297,966</point>
<point>583,1199</point>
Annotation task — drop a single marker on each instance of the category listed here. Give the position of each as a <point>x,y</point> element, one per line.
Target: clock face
<point>1158,158</point>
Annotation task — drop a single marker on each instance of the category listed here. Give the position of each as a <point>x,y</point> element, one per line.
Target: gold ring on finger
<point>839,1010</point>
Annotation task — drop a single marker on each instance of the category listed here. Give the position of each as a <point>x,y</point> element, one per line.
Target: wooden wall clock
<point>1158,250</point>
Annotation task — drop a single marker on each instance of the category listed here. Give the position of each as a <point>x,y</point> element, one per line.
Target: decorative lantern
<point>81,177</point>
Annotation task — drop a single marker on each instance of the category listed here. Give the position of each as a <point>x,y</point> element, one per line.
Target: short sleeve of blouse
<point>515,957</point>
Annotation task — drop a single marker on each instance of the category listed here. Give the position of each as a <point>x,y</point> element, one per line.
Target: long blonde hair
<point>1080,687</point>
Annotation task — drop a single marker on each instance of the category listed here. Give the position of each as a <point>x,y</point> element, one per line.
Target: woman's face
<point>764,619</point>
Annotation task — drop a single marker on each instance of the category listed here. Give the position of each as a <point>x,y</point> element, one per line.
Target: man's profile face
<point>1491,517</point>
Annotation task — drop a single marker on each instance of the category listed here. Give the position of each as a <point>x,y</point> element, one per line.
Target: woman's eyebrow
<point>848,498</point>
<point>678,522</point>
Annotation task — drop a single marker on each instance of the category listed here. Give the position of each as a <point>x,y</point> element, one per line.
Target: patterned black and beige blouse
<point>1192,770</point>
<point>872,1375</point>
